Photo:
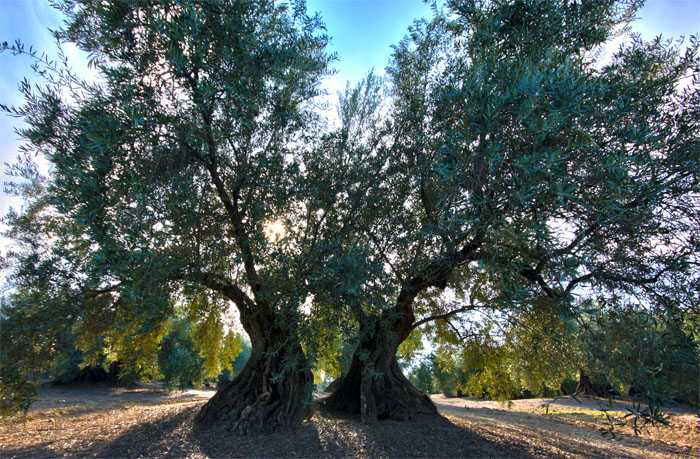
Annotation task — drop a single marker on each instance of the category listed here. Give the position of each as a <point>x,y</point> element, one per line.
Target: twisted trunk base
<point>376,388</point>
<point>587,386</point>
<point>264,398</point>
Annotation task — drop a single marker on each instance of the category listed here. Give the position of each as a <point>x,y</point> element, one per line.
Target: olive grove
<point>499,167</point>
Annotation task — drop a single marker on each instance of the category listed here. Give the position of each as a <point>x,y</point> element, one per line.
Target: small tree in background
<point>422,375</point>
<point>179,360</point>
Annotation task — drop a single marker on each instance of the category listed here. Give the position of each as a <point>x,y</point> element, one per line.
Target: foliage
<point>514,166</point>
<point>499,169</point>
<point>646,354</point>
<point>179,361</point>
<point>69,366</point>
<point>66,367</point>
<point>333,359</point>
<point>22,342</point>
<point>410,347</point>
<point>207,327</point>
<point>188,356</point>
<point>46,293</point>
<point>235,367</point>
<point>166,171</point>
<point>510,137</point>
<point>422,377</point>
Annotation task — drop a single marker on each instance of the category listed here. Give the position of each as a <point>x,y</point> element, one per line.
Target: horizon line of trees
<point>650,356</point>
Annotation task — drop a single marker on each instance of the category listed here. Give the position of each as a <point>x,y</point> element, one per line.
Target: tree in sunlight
<point>168,170</point>
<point>513,165</point>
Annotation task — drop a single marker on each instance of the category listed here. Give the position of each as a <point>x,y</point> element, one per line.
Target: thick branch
<point>533,275</point>
<point>231,206</point>
<point>444,316</point>
<point>229,290</point>
<point>100,291</point>
<point>640,281</point>
<point>578,280</point>
<point>435,274</point>
<point>230,201</point>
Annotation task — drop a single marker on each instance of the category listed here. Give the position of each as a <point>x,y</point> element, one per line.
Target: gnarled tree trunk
<point>375,386</point>
<point>266,397</point>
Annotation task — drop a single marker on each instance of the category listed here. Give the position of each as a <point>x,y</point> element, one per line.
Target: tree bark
<point>264,398</point>
<point>586,386</point>
<point>269,395</point>
<point>375,387</point>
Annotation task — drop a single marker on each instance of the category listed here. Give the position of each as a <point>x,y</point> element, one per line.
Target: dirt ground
<point>574,427</point>
<point>92,421</point>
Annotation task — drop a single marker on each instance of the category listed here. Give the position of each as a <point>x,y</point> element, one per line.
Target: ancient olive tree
<point>175,163</point>
<point>513,159</point>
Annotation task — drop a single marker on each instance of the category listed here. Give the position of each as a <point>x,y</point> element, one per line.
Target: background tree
<point>171,167</point>
<point>52,297</point>
<point>648,354</point>
<point>512,154</point>
<point>605,350</point>
<point>52,317</point>
<point>187,356</point>
<point>237,365</point>
<point>422,376</point>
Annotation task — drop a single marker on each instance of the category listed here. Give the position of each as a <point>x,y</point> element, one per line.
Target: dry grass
<point>104,422</point>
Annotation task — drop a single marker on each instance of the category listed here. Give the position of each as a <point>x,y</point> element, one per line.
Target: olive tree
<point>175,165</point>
<point>513,155</point>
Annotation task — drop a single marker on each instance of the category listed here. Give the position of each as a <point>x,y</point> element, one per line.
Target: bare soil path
<point>89,421</point>
<point>574,428</point>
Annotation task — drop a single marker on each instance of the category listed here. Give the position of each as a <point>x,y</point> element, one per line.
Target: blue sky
<point>362,30</point>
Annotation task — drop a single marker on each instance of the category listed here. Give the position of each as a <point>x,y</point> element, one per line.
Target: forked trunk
<point>375,386</point>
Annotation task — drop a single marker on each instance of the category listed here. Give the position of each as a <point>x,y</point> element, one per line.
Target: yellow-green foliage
<point>231,348</point>
<point>481,368</point>
<point>206,313</point>
<point>505,356</point>
<point>134,346</point>
<point>411,346</point>
<point>333,356</point>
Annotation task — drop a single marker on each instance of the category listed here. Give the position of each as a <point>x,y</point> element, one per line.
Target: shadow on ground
<point>37,450</point>
<point>85,399</point>
<point>325,435</point>
<point>568,433</point>
<point>108,422</point>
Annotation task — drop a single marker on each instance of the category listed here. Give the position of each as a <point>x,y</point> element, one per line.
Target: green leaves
<point>164,175</point>
<point>495,147</point>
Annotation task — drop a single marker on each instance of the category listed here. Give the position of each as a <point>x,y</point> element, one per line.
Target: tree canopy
<point>499,167</point>
<point>515,166</point>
